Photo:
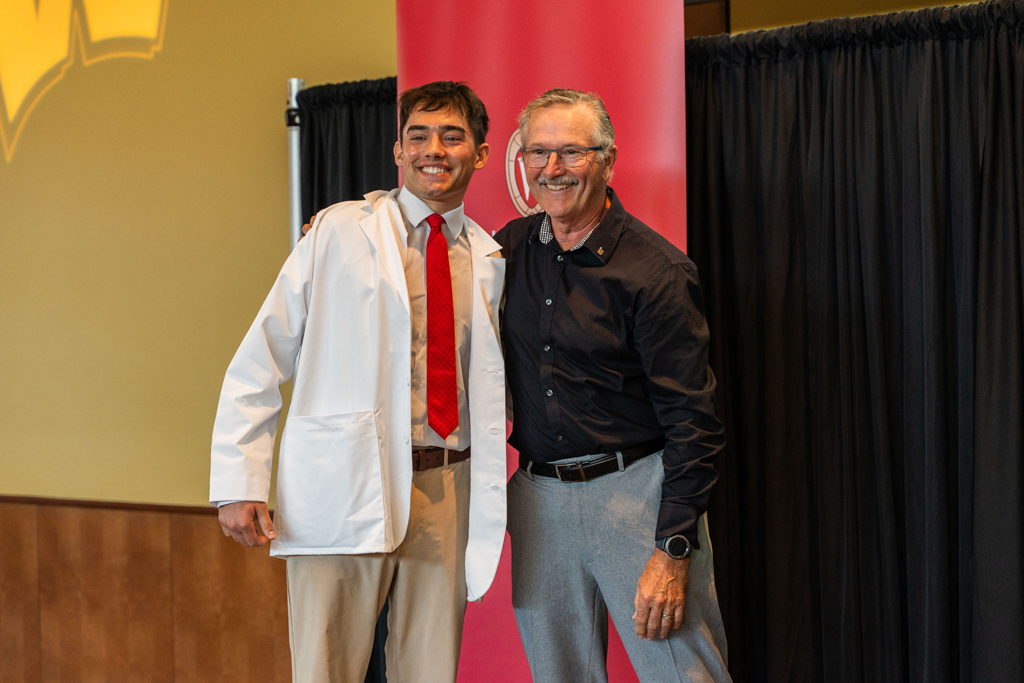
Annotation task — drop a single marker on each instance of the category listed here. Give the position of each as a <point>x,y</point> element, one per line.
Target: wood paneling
<point>19,595</point>
<point>105,595</point>
<point>134,594</point>
<point>230,607</point>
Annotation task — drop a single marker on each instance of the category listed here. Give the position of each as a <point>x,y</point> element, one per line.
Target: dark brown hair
<point>458,97</point>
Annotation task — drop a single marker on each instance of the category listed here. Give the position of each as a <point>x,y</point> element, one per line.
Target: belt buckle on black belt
<point>572,467</point>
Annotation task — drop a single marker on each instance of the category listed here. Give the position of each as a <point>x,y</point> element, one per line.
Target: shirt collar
<point>546,234</point>
<point>601,240</point>
<point>415,210</point>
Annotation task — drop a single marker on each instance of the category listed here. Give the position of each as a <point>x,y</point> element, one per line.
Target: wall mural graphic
<point>38,40</point>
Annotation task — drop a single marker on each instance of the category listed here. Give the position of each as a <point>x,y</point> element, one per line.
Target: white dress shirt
<point>415,213</point>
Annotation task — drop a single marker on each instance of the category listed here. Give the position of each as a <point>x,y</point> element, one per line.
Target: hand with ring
<point>660,596</point>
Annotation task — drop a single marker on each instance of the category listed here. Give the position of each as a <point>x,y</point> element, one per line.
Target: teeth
<point>558,183</point>
<point>432,170</point>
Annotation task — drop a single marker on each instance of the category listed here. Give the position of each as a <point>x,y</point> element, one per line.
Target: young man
<point>386,313</point>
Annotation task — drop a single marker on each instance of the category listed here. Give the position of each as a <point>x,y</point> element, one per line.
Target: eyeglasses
<point>571,157</point>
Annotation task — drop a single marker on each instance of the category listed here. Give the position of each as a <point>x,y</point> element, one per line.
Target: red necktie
<point>442,393</point>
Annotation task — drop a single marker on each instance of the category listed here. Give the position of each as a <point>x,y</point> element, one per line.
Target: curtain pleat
<point>856,205</point>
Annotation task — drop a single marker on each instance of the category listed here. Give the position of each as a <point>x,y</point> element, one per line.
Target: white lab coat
<point>338,318</point>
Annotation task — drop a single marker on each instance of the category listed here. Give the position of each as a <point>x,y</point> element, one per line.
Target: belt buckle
<point>578,466</point>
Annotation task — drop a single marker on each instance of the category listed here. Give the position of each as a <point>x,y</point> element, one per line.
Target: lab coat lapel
<point>383,228</point>
<point>488,271</point>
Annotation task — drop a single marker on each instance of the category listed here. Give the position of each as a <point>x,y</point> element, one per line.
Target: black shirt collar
<point>598,248</point>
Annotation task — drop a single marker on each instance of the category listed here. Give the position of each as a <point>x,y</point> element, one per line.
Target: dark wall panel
<point>230,607</point>
<point>114,592</point>
<point>706,18</point>
<point>105,598</point>
<point>19,595</point>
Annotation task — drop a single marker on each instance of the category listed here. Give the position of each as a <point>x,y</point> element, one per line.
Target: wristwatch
<point>676,547</point>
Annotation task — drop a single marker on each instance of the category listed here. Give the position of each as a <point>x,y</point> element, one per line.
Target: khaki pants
<point>334,600</point>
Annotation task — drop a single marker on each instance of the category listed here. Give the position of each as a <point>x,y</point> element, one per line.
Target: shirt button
<point>407,438</point>
<point>547,348</point>
<point>549,392</point>
<point>547,301</point>
<point>561,258</point>
<point>558,438</point>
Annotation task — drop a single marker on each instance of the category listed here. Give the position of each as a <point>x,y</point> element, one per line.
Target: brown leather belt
<point>429,458</point>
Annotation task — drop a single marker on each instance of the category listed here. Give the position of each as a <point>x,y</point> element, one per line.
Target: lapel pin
<point>600,250</point>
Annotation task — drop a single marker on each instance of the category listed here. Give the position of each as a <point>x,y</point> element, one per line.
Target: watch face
<point>677,546</point>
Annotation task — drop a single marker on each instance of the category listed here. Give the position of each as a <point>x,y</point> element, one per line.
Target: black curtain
<point>348,133</point>
<point>856,210</point>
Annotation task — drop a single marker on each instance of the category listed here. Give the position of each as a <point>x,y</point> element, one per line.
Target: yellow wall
<point>748,15</point>
<point>143,217</point>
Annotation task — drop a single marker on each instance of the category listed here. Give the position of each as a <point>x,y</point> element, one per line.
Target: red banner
<point>510,51</point>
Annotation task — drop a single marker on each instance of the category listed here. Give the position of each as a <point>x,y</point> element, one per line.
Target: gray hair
<point>604,135</point>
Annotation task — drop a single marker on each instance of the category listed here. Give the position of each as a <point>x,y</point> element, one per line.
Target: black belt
<point>591,469</point>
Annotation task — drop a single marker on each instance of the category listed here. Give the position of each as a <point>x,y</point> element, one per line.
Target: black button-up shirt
<point>606,347</point>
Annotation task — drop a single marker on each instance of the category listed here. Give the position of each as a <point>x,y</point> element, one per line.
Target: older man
<point>606,356</point>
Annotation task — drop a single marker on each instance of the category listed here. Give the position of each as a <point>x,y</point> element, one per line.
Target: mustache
<point>559,180</point>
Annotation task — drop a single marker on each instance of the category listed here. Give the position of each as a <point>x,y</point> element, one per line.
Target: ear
<point>609,161</point>
<point>399,155</point>
<point>482,154</point>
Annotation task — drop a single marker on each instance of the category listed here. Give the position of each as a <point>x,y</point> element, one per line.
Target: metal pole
<point>294,159</point>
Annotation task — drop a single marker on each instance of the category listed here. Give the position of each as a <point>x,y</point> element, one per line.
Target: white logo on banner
<point>515,176</point>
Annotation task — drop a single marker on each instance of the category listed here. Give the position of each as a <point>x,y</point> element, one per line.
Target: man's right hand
<point>248,522</point>
<point>307,226</point>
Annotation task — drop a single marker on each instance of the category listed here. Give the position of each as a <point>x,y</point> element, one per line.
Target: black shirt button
<point>547,348</point>
<point>549,392</point>
<point>547,301</point>
<point>558,438</point>
<point>561,258</point>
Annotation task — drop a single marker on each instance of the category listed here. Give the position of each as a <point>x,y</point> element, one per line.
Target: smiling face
<point>438,156</point>
<point>573,197</point>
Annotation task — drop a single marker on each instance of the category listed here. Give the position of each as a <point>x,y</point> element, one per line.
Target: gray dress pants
<point>578,550</point>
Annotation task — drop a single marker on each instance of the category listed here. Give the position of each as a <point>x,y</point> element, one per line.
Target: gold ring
<point>666,617</point>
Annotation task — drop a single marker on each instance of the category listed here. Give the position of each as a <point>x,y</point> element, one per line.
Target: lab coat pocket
<point>329,483</point>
